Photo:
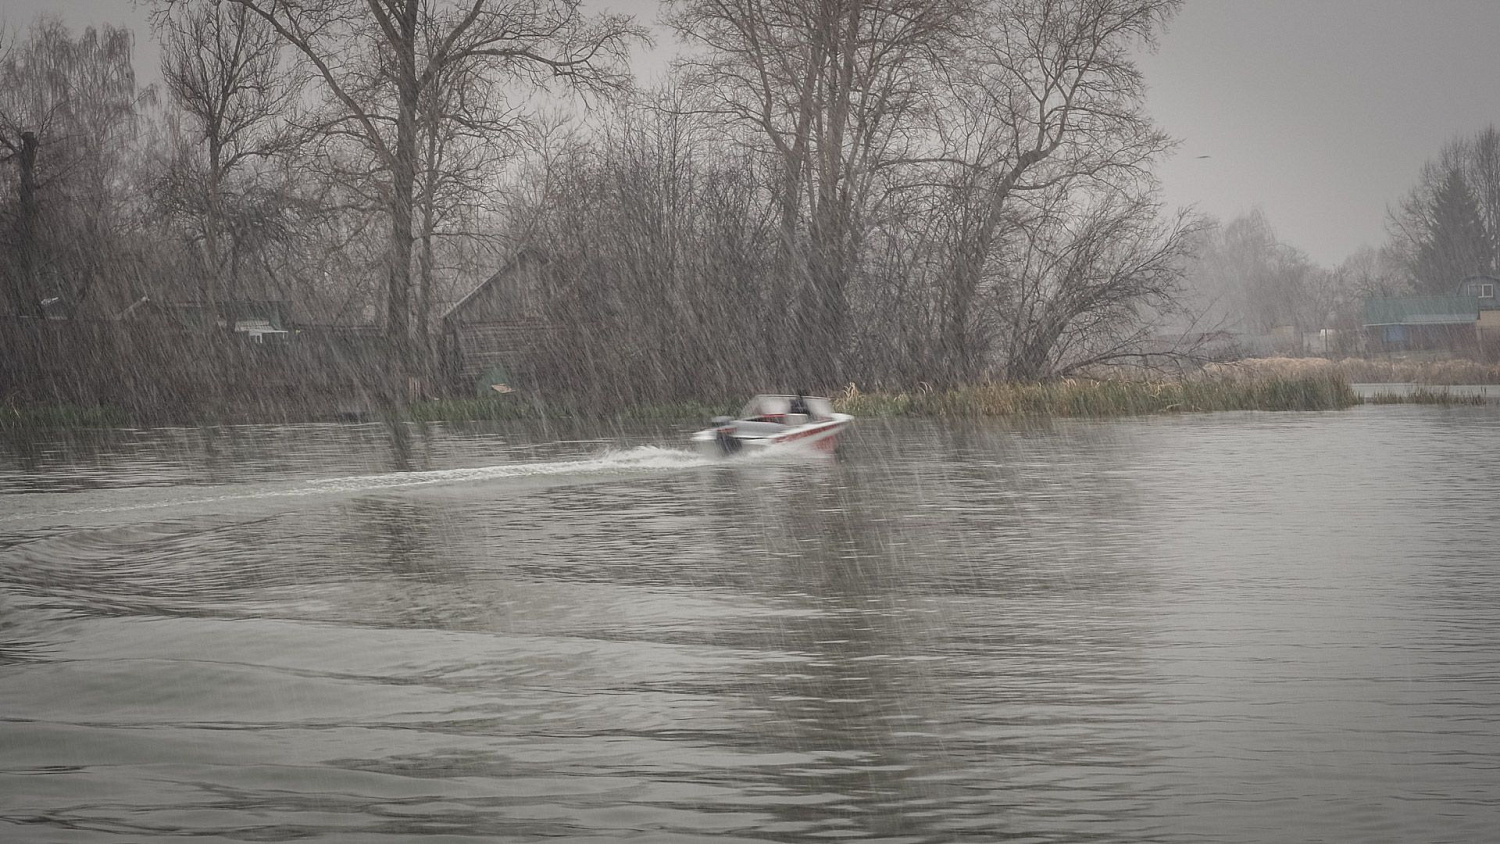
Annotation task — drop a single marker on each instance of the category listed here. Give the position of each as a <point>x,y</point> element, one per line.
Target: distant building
<point>1486,291</point>
<point>1483,288</point>
<point>488,338</point>
<point>1422,323</point>
<point>1466,323</point>
<point>258,320</point>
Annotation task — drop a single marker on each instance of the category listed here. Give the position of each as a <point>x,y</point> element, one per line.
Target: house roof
<point>1422,310</point>
<point>516,262</point>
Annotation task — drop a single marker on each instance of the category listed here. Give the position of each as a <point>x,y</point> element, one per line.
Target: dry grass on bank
<point>1107,398</point>
<point>1273,384</point>
<point>1363,370</point>
<point>1424,395</point>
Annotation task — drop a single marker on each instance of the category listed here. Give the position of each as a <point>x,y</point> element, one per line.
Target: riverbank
<point>43,417</point>
<point>1363,370</point>
<point>1417,394</point>
<point>1241,387</point>
<point>1078,398</point>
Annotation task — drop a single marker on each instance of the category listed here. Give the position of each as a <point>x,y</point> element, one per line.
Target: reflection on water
<point>1239,627</point>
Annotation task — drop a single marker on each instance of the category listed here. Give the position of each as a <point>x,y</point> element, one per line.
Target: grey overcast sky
<point>1319,112</point>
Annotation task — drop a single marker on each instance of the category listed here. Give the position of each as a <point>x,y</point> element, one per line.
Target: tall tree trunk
<point>957,363</point>
<point>783,331</point>
<point>962,354</point>
<point>403,179</point>
<point>211,228</point>
<point>424,335</point>
<point>824,309</point>
<point>431,120</point>
<point>25,286</point>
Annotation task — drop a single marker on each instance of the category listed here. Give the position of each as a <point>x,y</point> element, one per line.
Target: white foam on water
<point>633,460</point>
<point>641,458</point>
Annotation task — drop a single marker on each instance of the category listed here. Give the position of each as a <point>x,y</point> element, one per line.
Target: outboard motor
<point>724,435</point>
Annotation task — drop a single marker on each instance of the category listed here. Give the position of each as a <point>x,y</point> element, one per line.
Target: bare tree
<point>1087,287</point>
<point>532,41</point>
<point>1369,272</point>
<point>830,90</point>
<point>68,110</point>
<point>222,66</point>
<point>1448,226</point>
<point>468,132</point>
<point>22,283</point>
<point>1048,95</point>
<point>1247,279</point>
<point>653,232</point>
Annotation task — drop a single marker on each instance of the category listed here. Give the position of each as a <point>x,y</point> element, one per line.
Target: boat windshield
<point>819,408</point>
<point>778,408</point>
<point>767,406</point>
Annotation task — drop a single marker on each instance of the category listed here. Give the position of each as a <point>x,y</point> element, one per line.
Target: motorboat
<point>771,421</point>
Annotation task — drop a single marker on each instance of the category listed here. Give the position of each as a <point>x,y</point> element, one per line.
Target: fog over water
<point>1229,627</point>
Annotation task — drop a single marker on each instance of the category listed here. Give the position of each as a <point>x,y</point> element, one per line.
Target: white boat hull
<point>731,438</point>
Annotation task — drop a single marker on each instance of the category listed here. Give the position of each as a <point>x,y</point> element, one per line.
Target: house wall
<point>1488,330</point>
<point>1459,339</point>
<point>1478,286</point>
<point>499,325</point>
<point>471,350</point>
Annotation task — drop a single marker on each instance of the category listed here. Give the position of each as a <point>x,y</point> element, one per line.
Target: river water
<point>1228,627</point>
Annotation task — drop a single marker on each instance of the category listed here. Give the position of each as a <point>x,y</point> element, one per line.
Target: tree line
<point>885,191</point>
<point>1444,230</point>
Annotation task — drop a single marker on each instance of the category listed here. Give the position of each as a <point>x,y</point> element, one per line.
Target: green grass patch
<point>1079,398</point>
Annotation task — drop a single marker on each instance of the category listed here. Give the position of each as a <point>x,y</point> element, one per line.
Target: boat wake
<point>641,459</point>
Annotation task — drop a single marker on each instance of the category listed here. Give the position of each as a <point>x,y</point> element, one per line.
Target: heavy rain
<point>716,420</point>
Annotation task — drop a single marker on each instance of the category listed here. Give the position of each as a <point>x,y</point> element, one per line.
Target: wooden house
<point>488,339</point>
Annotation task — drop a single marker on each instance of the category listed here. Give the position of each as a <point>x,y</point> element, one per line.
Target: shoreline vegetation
<point>1424,395</point>
<point>1272,384</point>
<point>1082,398</point>
<point>1259,384</point>
<point>1427,373</point>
